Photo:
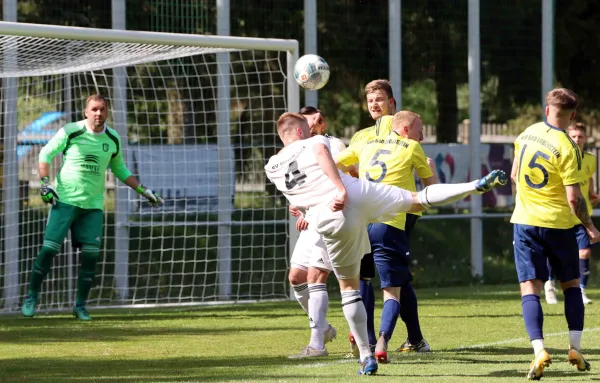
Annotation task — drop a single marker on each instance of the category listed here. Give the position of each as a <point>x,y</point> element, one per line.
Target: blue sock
<point>550,271</point>
<point>368,297</point>
<point>584,270</point>
<point>389,317</point>
<point>409,312</point>
<point>574,308</point>
<point>533,316</point>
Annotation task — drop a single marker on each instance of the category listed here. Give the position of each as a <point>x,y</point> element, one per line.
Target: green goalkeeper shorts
<point>86,225</point>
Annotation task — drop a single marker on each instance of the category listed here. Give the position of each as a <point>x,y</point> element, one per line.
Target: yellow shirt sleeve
<point>420,162</point>
<point>349,156</point>
<point>570,170</point>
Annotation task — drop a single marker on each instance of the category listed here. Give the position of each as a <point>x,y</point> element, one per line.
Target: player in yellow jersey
<point>577,132</point>
<point>547,175</point>
<point>391,160</point>
<point>380,102</point>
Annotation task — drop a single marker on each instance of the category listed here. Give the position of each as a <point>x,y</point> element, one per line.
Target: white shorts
<point>310,251</point>
<point>345,232</point>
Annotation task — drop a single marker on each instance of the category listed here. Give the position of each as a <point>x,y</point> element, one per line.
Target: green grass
<point>250,343</point>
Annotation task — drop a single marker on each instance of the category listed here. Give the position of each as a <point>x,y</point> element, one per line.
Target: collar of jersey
<point>552,126</point>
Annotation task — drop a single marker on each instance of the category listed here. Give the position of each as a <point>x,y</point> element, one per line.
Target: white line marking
<point>481,345</point>
<point>517,340</point>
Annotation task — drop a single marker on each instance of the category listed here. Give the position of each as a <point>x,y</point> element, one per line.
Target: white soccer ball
<point>311,72</point>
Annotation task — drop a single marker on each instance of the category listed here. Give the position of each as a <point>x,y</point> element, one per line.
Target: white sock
<point>317,312</point>
<point>538,345</point>
<point>301,294</point>
<point>575,339</point>
<point>443,194</point>
<point>356,315</point>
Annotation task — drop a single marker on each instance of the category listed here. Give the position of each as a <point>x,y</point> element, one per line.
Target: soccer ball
<point>311,72</point>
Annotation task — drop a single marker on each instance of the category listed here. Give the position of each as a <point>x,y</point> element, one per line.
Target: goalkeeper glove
<point>152,197</point>
<point>49,195</point>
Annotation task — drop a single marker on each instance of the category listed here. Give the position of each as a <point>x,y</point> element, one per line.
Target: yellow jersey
<point>588,167</point>
<point>382,127</point>
<point>391,160</point>
<point>547,160</point>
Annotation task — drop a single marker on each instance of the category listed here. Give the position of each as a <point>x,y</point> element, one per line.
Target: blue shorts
<point>583,240</point>
<point>367,267</point>
<point>534,245</point>
<point>391,254</point>
<point>411,221</point>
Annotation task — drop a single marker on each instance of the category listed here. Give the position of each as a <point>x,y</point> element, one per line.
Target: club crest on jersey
<point>105,147</point>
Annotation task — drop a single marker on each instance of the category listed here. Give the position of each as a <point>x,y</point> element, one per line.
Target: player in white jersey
<point>309,268</point>
<point>340,207</point>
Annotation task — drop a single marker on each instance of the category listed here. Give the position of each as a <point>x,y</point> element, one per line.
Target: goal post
<point>196,115</point>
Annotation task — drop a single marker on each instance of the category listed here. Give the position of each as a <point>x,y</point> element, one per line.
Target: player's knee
<point>585,253</point>
<point>391,293</point>
<point>90,251</point>
<point>318,276</point>
<point>297,276</point>
<point>50,247</point>
<point>569,284</point>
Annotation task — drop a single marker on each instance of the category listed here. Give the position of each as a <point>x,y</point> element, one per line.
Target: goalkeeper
<point>89,148</point>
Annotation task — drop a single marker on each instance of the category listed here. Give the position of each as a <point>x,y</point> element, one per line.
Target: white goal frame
<point>11,177</point>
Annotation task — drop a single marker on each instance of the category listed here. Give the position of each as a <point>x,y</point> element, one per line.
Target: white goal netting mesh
<point>222,233</point>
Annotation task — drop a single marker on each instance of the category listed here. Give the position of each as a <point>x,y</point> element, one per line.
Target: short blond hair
<point>404,118</point>
<point>289,120</point>
<point>380,85</point>
<point>562,99</point>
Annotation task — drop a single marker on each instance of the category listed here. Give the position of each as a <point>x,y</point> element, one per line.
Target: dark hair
<point>308,110</point>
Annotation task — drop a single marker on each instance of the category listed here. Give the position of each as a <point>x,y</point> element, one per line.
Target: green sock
<point>42,266</point>
<point>87,272</point>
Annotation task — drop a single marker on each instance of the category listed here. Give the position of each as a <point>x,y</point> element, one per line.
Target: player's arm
<point>325,161</point>
<point>347,159</point>
<point>594,198</point>
<point>513,176</point>
<point>434,178</point>
<point>572,174</point>
<point>423,166</point>
<point>352,169</point>
<point>57,144</point>
<point>119,169</point>
<point>578,204</point>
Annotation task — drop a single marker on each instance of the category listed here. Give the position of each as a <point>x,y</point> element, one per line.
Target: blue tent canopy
<point>35,134</point>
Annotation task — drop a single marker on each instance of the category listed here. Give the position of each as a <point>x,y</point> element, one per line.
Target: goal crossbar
<point>142,37</point>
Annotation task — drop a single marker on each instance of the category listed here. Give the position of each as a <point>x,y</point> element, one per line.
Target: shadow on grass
<point>125,371</point>
<point>208,369</point>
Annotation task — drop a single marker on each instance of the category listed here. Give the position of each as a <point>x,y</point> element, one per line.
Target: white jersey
<point>297,174</point>
<point>336,145</point>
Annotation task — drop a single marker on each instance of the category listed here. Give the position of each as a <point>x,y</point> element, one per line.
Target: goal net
<point>196,116</point>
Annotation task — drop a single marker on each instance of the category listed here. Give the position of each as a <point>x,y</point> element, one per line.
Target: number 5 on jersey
<point>535,164</point>
<point>376,162</point>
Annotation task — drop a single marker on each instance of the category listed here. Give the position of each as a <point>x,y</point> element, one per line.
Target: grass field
<point>477,335</point>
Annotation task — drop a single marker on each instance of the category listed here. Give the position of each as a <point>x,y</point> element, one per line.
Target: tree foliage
<point>353,37</point>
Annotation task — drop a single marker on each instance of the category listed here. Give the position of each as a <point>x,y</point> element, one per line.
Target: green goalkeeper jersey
<point>86,157</point>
